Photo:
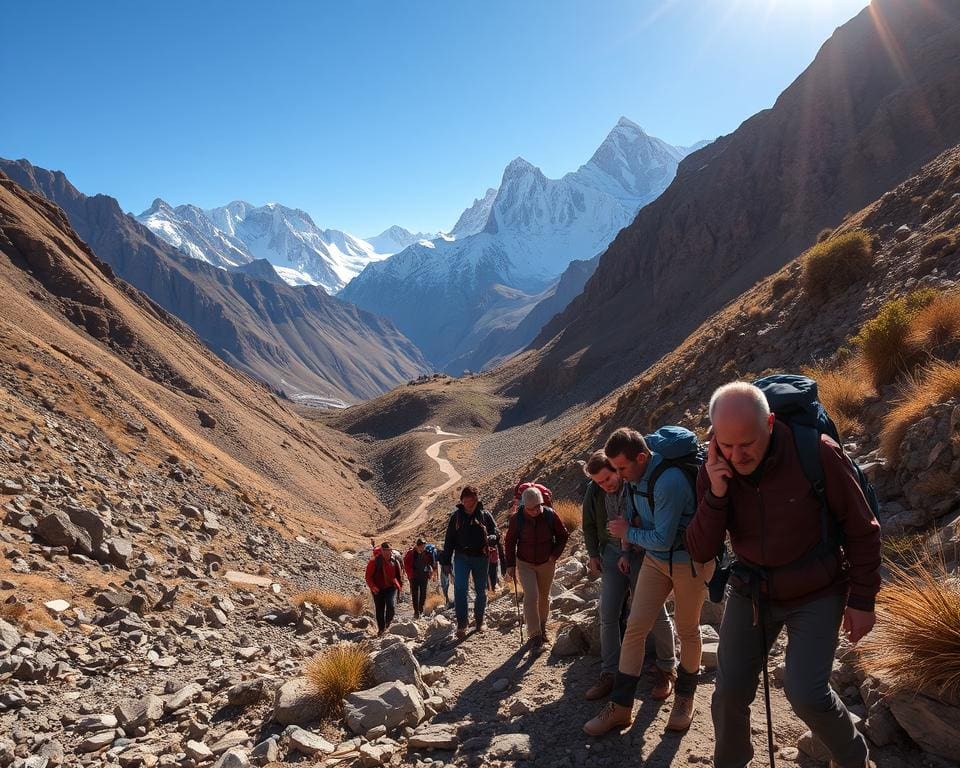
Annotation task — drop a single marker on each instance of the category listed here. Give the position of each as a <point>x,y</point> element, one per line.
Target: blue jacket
<point>674,503</point>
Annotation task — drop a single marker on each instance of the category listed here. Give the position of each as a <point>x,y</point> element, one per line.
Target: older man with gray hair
<point>535,540</point>
<point>787,575</point>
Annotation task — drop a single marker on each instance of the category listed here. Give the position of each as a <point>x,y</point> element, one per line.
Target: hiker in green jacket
<point>618,563</point>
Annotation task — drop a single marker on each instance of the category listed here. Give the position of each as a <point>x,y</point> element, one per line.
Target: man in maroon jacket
<point>536,537</point>
<point>753,486</point>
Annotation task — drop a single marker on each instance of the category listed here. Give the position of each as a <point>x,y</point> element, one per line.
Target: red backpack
<point>544,491</point>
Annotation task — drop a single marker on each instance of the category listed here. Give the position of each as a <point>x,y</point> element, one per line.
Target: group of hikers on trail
<point>658,513</point>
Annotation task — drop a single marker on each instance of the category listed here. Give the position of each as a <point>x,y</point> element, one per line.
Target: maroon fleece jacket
<point>774,521</point>
<point>538,540</point>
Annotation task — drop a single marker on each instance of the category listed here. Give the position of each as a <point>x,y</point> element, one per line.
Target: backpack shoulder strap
<point>807,442</point>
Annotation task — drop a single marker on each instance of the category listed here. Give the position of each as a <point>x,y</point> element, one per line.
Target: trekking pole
<point>516,594</point>
<point>766,684</point>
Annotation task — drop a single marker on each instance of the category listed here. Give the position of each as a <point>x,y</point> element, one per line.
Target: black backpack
<point>548,515</point>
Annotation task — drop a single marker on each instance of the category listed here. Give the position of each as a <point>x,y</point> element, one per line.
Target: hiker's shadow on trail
<point>555,718</point>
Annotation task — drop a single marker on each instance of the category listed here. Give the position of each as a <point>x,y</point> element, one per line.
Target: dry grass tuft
<point>833,265</point>
<point>333,604</point>
<point>842,392</point>
<point>570,513</point>
<point>937,325</point>
<point>903,548</point>
<point>936,384</point>
<point>337,671</point>
<point>13,612</point>
<point>433,602</point>
<point>915,646</point>
<point>883,340</point>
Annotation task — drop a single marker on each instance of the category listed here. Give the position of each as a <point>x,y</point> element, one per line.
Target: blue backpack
<point>433,552</point>
<point>677,447</point>
<point>795,402</point>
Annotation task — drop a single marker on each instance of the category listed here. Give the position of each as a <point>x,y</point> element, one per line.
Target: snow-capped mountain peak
<point>474,219</point>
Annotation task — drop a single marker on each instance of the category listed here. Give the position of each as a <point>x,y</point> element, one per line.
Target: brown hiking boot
<point>682,713</point>
<point>663,683</point>
<point>603,687</point>
<point>462,632</point>
<point>611,717</point>
<point>479,625</point>
<point>536,643</point>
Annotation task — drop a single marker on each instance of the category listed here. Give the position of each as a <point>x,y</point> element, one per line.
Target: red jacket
<point>381,574</point>
<point>419,561</point>
<point>538,540</point>
<point>775,522</point>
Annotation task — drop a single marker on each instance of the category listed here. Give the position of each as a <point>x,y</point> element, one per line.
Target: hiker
<point>384,576</point>
<point>536,537</point>
<point>419,565</point>
<point>788,571</point>
<point>618,562</point>
<point>470,532</point>
<point>663,495</point>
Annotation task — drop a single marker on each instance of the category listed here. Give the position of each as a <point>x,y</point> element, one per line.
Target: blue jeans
<point>613,590</point>
<point>463,566</point>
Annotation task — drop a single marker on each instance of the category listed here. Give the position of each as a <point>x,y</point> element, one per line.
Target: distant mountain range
<point>510,247</point>
<point>314,347</point>
<point>237,234</point>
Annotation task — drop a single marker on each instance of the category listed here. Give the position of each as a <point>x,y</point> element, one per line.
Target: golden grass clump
<point>570,513</point>
<point>834,264</point>
<point>937,325</point>
<point>13,613</point>
<point>433,602</point>
<point>842,391</point>
<point>915,646</point>
<point>935,384</point>
<point>882,340</point>
<point>337,671</point>
<point>333,604</point>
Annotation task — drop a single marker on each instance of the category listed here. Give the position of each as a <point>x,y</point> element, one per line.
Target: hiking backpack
<point>677,447</point>
<point>433,552</point>
<point>795,402</point>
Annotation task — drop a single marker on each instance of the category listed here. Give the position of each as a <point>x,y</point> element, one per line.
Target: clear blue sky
<point>367,113</point>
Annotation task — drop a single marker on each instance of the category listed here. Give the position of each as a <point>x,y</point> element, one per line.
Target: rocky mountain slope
<point>83,344</point>
<point>777,326</point>
<point>438,293</point>
<point>881,97</point>
<point>314,347</point>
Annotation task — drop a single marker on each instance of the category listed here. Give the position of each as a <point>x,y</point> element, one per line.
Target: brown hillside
<point>299,340</point>
<point>92,348</point>
<point>776,325</point>
<point>881,98</point>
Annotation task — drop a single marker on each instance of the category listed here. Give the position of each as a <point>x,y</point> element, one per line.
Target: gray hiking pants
<point>812,635</point>
<point>613,590</point>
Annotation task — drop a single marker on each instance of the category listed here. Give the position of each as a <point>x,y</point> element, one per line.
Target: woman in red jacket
<point>384,576</point>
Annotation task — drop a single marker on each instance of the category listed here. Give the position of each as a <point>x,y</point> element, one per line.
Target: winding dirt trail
<point>419,515</point>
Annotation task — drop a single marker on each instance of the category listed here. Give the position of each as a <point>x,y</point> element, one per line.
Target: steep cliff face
<point>881,98</point>
<point>310,345</point>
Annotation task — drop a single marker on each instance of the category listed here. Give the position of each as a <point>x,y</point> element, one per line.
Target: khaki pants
<point>654,585</point>
<point>536,581</point>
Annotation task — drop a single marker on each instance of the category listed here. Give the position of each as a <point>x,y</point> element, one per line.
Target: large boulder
<point>57,530</point>
<point>932,724</point>
<point>588,622</point>
<point>569,641</point>
<point>296,703</point>
<point>94,522</point>
<point>390,704</point>
<point>928,468</point>
<point>9,636</point>
<point>396,663</point>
